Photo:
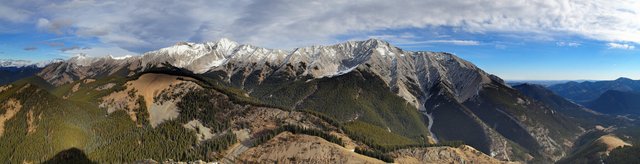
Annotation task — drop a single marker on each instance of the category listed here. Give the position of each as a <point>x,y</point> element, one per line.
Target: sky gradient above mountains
<point>518,40</point>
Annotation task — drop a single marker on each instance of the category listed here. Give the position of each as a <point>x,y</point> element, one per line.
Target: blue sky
<point>516,40</point>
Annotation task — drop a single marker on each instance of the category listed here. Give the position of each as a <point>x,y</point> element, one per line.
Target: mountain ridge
<point>397,98</point>
<point>315,61</point>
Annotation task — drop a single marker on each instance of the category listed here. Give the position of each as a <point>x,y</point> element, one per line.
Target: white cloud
<point>411,39</point>
<point>145,25</point>
<point>8,13</point>
<point>43,23</point>
<point>568,44</point>
<point>453,41</point>
<point>10,16</point>
<point>457,42</point>
<point>56,26</point>
<point>621,46</point>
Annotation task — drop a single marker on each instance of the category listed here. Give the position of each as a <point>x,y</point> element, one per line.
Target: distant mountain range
<point>14,63</point>
<point>12,70</point>
<point>11,74</point>
<point>544,83</point>
<point>619,96</point>
<point>582,92</point>
<point>26,63</point>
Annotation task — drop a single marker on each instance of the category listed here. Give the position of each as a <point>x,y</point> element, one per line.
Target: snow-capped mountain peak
<point>83,60</point>
<point>226,45</point>
<point>26,63</point>
<point>396,67</point>
<point>14,63</point>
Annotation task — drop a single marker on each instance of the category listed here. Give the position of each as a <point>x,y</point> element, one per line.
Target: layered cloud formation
<point>139,26</point>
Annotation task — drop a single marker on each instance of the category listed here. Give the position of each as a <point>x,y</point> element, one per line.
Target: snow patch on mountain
<point>120,57</point>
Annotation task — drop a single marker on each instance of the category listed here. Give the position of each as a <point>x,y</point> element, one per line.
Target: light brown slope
<point>148,86</point>
<point>611,142</point>
<point>3,88</point>
<point>441,155</point>
<point>295,148</point>
<point>10,108</point>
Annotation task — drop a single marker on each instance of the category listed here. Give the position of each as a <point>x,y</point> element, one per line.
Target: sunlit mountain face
<point>319,82</point>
